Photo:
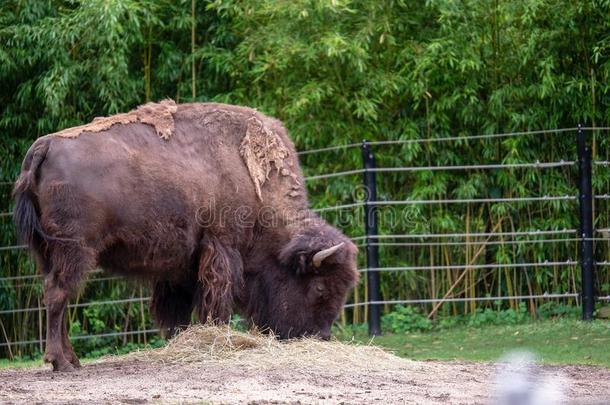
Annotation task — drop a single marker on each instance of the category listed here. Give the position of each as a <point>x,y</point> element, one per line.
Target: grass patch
<point>18,363</point>
<point>561,341</point>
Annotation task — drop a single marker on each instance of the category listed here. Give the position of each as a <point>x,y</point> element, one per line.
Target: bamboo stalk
<point>464,272</point>
<point>147,66</point>
<point>127,317</point>
<point>356,311</point>
<point>193,69</point>
<point>40,326</point>
<point>10,351</point>
<point>143,318</point>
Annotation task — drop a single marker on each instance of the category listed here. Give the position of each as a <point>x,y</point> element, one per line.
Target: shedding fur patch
<point>158,115</point>
<point>261,149</point>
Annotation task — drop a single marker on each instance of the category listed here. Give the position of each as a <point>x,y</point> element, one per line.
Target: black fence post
<point>585,199</point>
<point>372,250</point>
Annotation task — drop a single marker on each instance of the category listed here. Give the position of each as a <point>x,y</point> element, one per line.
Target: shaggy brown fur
<point>215,217</point>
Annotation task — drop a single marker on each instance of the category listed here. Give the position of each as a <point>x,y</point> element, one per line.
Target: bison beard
<point>203,201</point>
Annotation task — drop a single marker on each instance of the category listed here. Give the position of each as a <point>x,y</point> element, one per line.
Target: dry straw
<point>221,344</point>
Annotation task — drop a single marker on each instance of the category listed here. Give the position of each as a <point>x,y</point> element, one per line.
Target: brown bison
<point>206,201</point>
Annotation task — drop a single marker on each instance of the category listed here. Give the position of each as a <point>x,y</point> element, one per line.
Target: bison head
<point>302,289</point>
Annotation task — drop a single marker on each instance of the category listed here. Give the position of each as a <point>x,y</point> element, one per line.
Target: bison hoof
<point>71,356</point>
<point>75,362</point>
<point>59,364</point>
<point>63,367</point>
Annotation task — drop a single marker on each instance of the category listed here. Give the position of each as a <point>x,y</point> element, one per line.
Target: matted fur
<point>219,270</point>
<point>158,115</point>
<point>261,148</point>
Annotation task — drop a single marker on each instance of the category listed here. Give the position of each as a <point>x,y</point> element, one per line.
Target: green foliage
<point>509,316</point>
<point>405,319</point>
<point>408,319</point>
<point>111,347</point>
<point>551,310</point>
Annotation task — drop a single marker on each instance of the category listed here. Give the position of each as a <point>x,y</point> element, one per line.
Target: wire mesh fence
<point>471,254</point>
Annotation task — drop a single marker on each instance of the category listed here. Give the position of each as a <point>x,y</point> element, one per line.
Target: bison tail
<point>25,214</point>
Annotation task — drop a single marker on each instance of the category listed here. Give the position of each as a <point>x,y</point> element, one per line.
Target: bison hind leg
<point>172,305</point>
<point>63,267</point>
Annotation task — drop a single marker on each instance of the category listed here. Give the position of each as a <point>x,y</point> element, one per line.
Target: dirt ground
<point>135,381</point>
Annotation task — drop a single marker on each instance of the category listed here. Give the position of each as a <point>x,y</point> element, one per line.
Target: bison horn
<point>323,254</point>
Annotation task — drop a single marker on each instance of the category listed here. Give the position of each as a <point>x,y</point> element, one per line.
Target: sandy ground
<point>135,381</point>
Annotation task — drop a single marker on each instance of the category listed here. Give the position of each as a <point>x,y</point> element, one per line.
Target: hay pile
<point>210,343</point>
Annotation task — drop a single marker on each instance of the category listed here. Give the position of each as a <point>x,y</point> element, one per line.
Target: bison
<point>204,201</point>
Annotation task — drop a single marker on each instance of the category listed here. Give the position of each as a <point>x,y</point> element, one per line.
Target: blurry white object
<point>519,381</point>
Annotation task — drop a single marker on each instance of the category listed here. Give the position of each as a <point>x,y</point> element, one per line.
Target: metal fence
<point>585,236</point>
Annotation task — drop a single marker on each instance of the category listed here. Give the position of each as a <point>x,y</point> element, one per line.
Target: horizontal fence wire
<point>535,165</point>
<point>24,277</point>
<point>83,337</point>
<point>96,280</point>
<point>466,235</point>
<point>482,242</point>
<point>329,148</point>
<point>446,139</point>
<point>568,262</point>
<point>80,305</point>
<point>337,174</point>
<point>13,247</point>
<point>38,276</point>
<point>6,214</point>
<point>478,243</point>
<point>448,201</point>
<point>465,299</point>
<point>605,163</point>
<point>606,298</point>
<point>339,207</point>
<point>476,200</point>
<point>477,137</point>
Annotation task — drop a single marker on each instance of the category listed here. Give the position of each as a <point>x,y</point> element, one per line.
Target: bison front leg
<point>67,346</point>
<point>56,299</point>
<point>220,278</point>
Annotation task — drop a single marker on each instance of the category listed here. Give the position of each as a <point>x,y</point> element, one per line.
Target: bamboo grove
<point>336,72</point>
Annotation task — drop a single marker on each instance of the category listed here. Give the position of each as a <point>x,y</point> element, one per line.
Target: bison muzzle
<point>204,201</point>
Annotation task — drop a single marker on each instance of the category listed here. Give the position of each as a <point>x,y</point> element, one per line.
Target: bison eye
<point>320,288</point>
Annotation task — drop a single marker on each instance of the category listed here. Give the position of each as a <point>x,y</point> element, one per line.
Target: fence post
<point>372,250</point>
<point>585,198</point>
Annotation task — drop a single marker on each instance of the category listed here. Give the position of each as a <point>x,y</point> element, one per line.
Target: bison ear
<point>303,260</point>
